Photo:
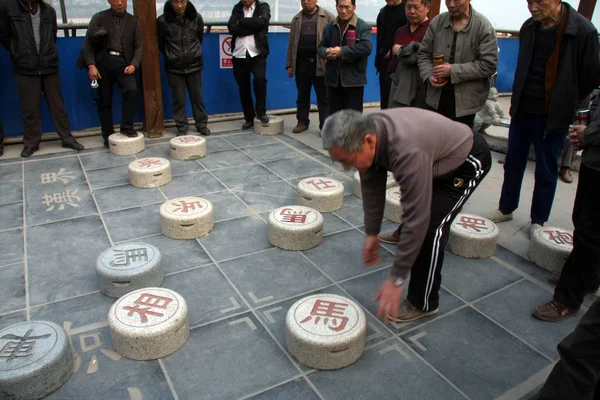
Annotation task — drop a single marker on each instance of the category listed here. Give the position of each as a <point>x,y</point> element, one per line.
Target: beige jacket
<point>325,17</point>
<point>476,59</point>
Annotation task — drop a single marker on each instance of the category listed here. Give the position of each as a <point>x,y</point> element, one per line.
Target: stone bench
<point>271,128</point>
<point>393,205</point>
<point>549,248</point>
<point>295,228</point>
<point>127,267</point>
<point>357,191</point>
<point>150,172</point>
<point>186,218</point>
<point>187,147</point>
<point>472,236</point>
<point>326,331</point>
<point>123,145</point>
<point>36,360</point>
<point>149,323</point>
<point>322,194</point>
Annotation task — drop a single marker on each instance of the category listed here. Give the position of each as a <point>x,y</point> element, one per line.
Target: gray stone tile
<point>232,348</point>
<point>133,223</point>
<point>104,159</point>
<point>295,390</point>
<point>332,223</point>
<point>365,288</point>
<point>475,354</point>
<point>351,213</point>
<point>156,150</point>
<point>512,309</point>
<point>264,202</point>
<point>237,237</point>
<point>207,293</point>
<point>179,168</point>
<point>192,185</point>
<point>225,159</point>
<point>340,255</point>
<point>227,206</point>
<point>64,267</point>
<point>214,145</point>
<point>271,152</point>
<point>252,174</point>
<point>108,177</point>
<point>41,173</point>
<point>11,172</point>
<point>12,318</point>
<point>471,279</point>
<point>12,287</point>
<point>11,216</point>
<point>385,362</point>
<point>274,315</point>
<point>11,192</point>
<point>126,196</point>
<point>250,140</point>
<point>178,255</point>
<point>522,264</point>
<point>73,314</point>
<point>267,277</point>
<point>43,205</point>
<point>296,167</point>
<point>11,243</point>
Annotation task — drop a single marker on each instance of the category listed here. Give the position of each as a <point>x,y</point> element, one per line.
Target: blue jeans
<point>526,129</point>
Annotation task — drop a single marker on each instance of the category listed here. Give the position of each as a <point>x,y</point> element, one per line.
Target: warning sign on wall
<point>225,51</point>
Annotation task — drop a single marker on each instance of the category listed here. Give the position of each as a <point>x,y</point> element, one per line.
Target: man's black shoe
<point>28,151</point>
<point>1,151</point>
<point>264,119</point>
<point>75,145</point>
<point>130,133</point>
<point>106,145</point>
<point>248,125</point>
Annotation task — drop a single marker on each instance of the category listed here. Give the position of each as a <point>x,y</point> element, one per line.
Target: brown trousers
<point>30,89</point>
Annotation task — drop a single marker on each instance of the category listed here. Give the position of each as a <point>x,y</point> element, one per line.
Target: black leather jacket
<point>180,40</point>
<point>257,25</point>
<point>16,35</point>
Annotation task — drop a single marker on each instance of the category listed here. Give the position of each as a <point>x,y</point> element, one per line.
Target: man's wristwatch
<point>399,281</point>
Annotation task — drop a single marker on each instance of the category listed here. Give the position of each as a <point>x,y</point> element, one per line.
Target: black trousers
<point>306,78</point>
<point>447,107</point>
<point>30,88</point>
<point>450,193</point>
<point>582,269</point>
<point>1,137</point>
<point>193,83</point>
<point>112,70</point>
<point>384,84</point>
<point>345,98</point>
<point>577,373</point>
<point>242,68</point>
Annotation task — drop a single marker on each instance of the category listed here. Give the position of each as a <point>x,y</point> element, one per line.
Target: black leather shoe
<point>248,125</point>
<point>1,151</point>
<point>204,131</point>
<point>75,145</point>
<point>264,119</point>
<point>106,145</point>
<point>28,151</point>
<point>130,133</point>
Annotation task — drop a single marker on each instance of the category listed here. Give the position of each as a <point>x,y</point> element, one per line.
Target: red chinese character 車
<point>296,217</point>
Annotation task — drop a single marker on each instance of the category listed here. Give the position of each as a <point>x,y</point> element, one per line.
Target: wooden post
<point>151,90</point>
<point>435,8</point>
<point>586,8</point>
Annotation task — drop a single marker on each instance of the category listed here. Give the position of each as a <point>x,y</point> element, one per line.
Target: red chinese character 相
<point>188,139</point>
<point>476,224</point>
<point>330,311</point>
<point>151,301</point>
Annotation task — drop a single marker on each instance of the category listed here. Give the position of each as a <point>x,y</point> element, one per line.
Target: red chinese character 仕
<point>186,206</point>
<point>149,300</point>
<point>476,224</point>
<point>328,309</point>
<point>296,217</point>
<point>325,184</point>
<point>188,139</point>
<point>560,237</point>
<point>148,163</point>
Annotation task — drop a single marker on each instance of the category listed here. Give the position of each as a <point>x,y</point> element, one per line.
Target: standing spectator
<point>248,26</point>
<point>556,38</point>
<point>112,58</point>
<point>391,17</point>
<point>346,45</point>
<point>404,68</point>
<point>302,61</point>
<point>180,35</point>
<point>459,87</point>
<point>28,31</point>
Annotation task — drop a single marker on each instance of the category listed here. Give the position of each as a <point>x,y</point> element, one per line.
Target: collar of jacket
<point>571,27</point>
<point>353,21</point>
<point>320,12</point>
<point>448,22</point>
<point>170,14</point>
<point>240,6</point>
<point>41,4</point>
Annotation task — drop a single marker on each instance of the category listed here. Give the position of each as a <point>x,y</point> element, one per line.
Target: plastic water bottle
<point>95,89</point>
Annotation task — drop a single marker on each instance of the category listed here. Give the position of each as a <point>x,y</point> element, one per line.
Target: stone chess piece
<point>490,114</point>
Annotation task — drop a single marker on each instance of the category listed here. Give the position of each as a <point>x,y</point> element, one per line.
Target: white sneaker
<point>497,216</point>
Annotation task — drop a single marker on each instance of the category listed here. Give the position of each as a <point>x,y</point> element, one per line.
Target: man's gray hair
<point>346,129</point>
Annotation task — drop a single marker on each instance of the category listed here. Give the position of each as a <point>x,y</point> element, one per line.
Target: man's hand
<point>389,296</point>
<point>333,52</point>
<point>388,54</point>
<point>289,71</point>
<point>396,49</point>
<point>442,71</point>
<point>371,251</point>
<point>433,82</point>
<point>93,73</point>
<point>130,69</point>
<point>576,136</point>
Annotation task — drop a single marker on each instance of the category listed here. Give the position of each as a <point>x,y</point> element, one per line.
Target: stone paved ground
<point>483,344</point>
